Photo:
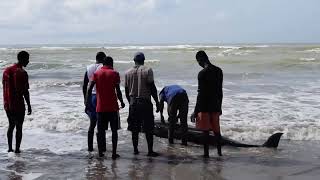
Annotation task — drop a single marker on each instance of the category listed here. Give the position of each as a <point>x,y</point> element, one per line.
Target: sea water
<point>267,89</point>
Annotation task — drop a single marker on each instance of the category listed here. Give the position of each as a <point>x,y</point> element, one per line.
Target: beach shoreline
<point>42,160</point>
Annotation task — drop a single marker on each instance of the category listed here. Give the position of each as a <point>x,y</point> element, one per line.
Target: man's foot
<point>115,156</point>
<point>171,141</point>
<point>219,151</point>
<point>10,150</point>
<point>101,154</point>
<point>184,143</point>
<point>136,152</point>
<point>205,156</point>
<point>17,151</point>
<point>104,149</point>
<point>152,154</point>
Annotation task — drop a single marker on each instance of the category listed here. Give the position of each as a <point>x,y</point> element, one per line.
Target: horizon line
<point>171,43</point>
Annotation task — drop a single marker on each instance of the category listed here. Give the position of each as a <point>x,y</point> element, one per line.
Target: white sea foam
<point>123,62</point>
<point>155,47</point>
<point>314,50</point>
<point>257,46</point>
<point>55,48</point>
<point>137,47</point>
<point>226,52</point>
<point>307,59</point>
<point>163,47</point>
<point>131,62</point>
<point>229,47</point>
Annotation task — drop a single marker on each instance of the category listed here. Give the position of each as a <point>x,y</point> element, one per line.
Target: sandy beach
<point>42,160</point>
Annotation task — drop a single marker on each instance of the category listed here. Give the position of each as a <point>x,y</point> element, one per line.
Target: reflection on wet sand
<point>16,168</point>
<point>96,169</point>
<point>140,170</point>
<point>176,162</point>
<point>114,169</point>
<point>135,170</point>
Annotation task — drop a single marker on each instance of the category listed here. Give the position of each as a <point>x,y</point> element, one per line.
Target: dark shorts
<point>91,110</point>
<point>15,118</point>
<point>104,118</point>
<point>141,118</point>
<point>179,103</point>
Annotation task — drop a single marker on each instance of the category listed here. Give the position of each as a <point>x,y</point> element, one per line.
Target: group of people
<point>101,91</point>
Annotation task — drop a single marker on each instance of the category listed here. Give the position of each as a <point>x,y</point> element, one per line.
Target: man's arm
<point>154,95</point>
<point>126,87</point>
<point>153,89</point>
<point>220,92</point>
<point>26,96</point>
<point>22,88</point>
<point>119,95</point>
<point>161,105</point>
<point>196,108</point>
<point>89,93</point>
<point>127,94</point>
<point>85,86</point>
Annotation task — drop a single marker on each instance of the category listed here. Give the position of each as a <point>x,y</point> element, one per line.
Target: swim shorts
<point>208,121</point>
<point>141,118</point>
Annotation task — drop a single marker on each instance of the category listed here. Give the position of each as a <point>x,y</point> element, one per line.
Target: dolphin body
<point>196,136</point>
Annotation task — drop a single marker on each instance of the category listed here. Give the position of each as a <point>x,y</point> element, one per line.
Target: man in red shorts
<point>209,100</point>
<point>107,83</point>
<point>15,91</point>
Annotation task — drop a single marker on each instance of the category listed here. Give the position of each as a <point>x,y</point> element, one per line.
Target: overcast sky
<point>159,21</point>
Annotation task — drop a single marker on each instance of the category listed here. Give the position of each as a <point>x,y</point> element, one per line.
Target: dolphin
<point>196,136</point>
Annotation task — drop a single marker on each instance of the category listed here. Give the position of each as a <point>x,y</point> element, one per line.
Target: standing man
<point>177,100</point>
<point>209,100</point>
<point>107,83</point>
<point>139,87</point>
<point>15,91</point>
<point>91,108</point>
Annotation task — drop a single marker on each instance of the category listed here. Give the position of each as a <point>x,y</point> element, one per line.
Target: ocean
<point>268,88</point>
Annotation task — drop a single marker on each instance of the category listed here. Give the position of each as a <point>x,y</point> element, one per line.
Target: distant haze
<point>159,21</point>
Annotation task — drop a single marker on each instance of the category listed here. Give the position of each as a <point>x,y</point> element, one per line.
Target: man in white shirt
<point>91,109</point>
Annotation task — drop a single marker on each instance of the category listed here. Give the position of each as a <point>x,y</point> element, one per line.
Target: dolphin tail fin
<point>273,141</point>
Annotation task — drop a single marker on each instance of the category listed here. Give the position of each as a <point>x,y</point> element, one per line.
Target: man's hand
<point>122,105</point>
<point>87,105</point>
<point>86,100</point>
<point>193,117</point>
<point>162,119</point>
<point>86,109</point>
<point>158,107</point>
<point>29,110</point>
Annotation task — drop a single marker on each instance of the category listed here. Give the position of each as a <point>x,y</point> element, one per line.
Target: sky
<point>159,21</point>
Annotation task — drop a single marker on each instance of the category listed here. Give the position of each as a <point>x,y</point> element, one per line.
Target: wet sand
<point>292,160</point>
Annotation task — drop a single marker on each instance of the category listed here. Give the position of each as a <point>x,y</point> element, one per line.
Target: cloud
<point>28,11</point>
<point>121,21</point>
<point>54,18</point>
<point>63,13</point>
